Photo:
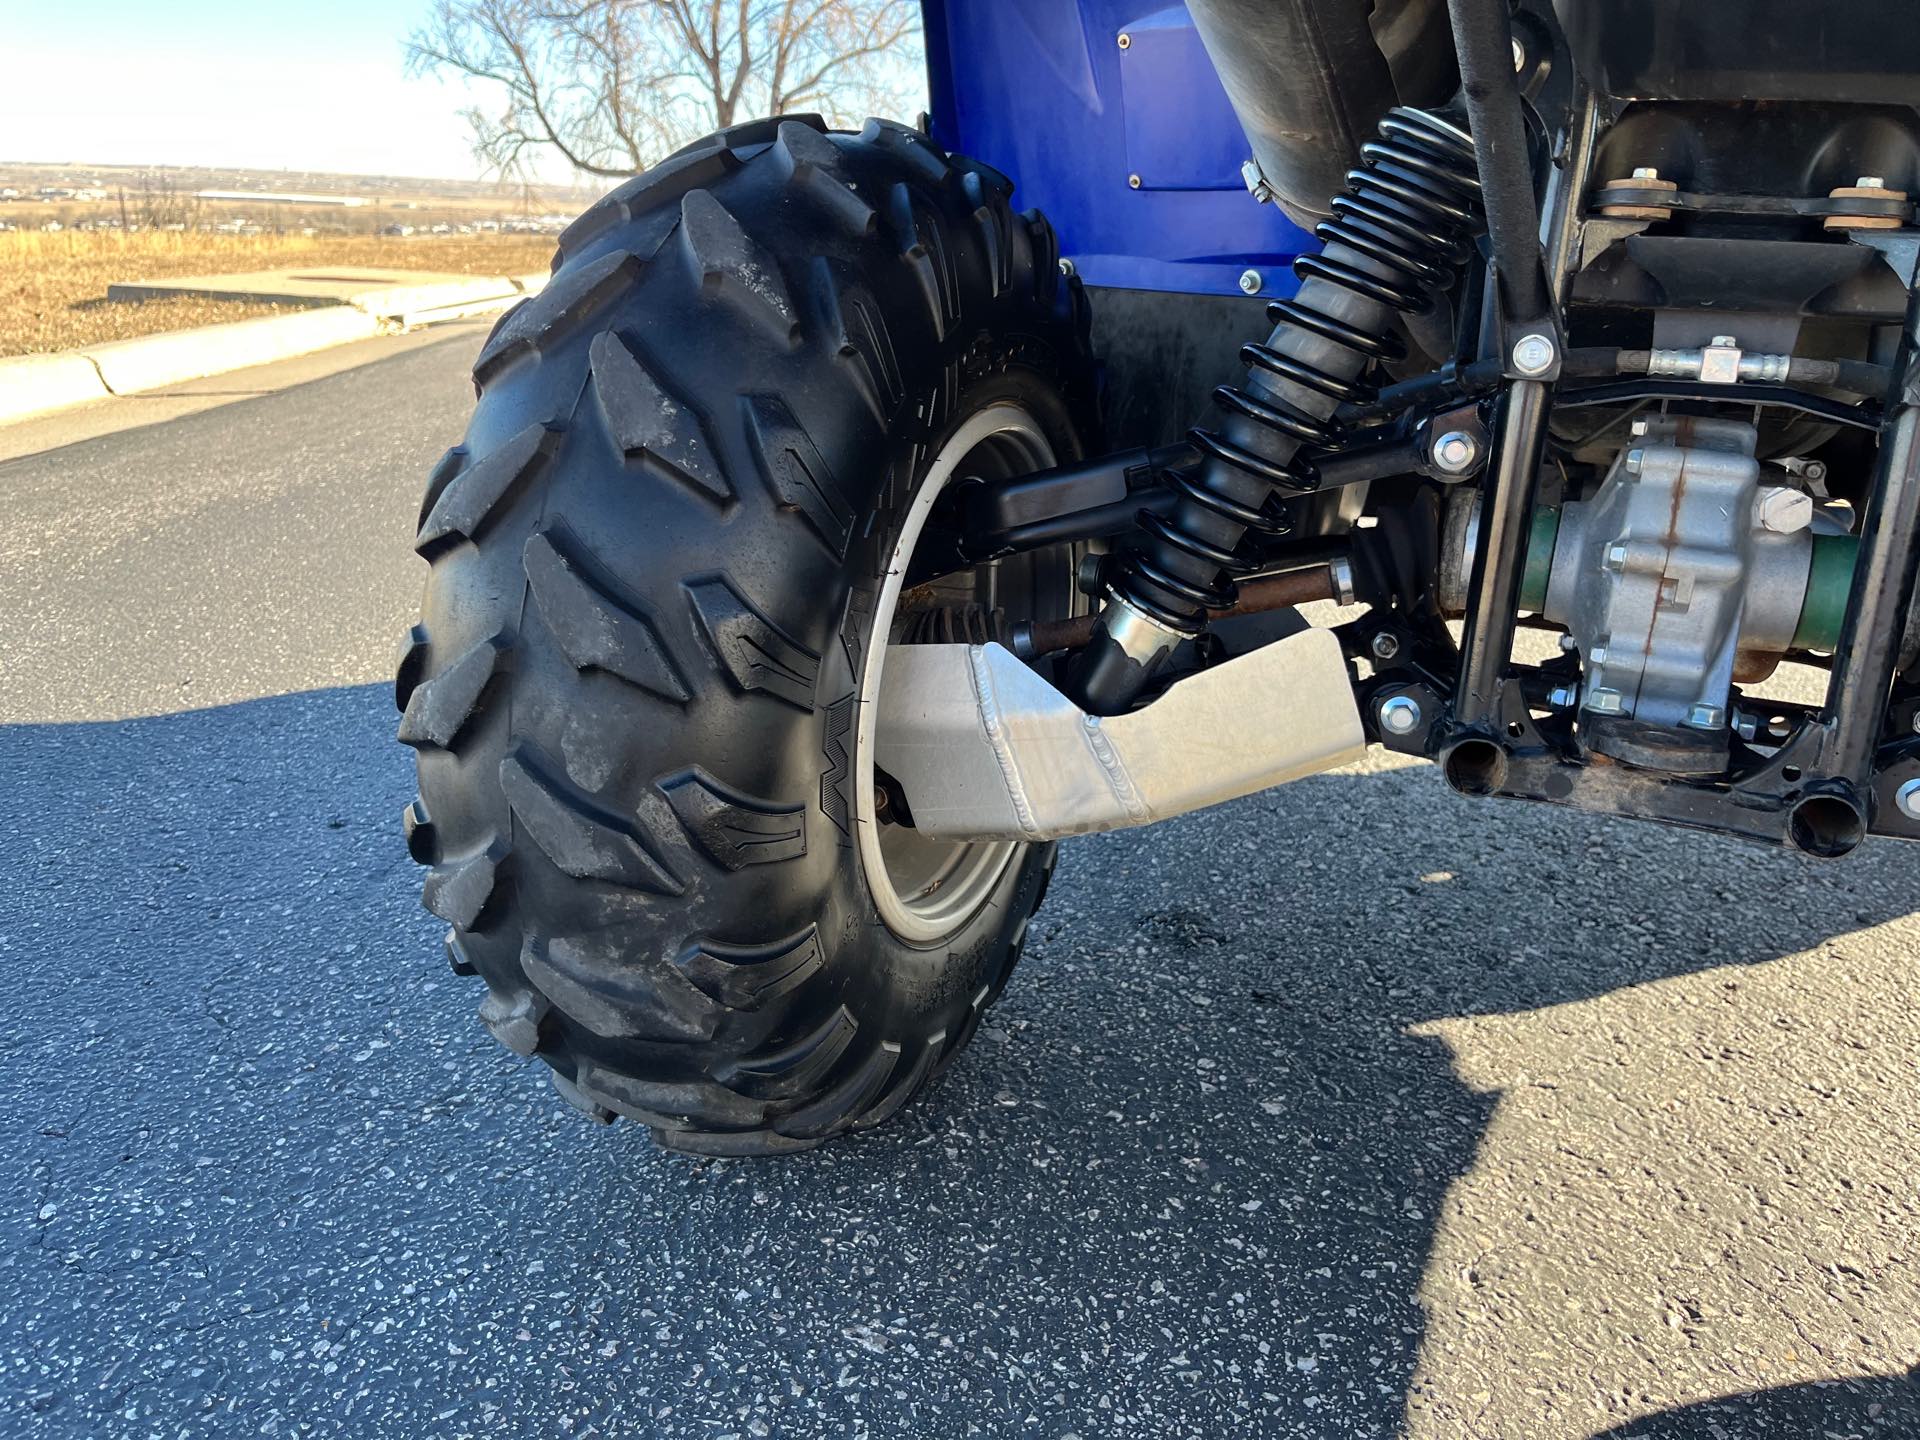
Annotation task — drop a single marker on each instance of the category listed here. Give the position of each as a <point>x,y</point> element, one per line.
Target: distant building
<point>265,197</point>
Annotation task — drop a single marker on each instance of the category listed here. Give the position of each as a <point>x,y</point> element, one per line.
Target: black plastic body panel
<point>1839,50</point>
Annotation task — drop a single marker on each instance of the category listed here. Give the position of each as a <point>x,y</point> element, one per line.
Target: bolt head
<point>1400,715</point>
<point>1639,428</point>
<point>1455,452</point>
<point>1126,41</point>
<point>1616,558</point>
<point>1385,645</point>
<point>1907,797</point>
<point>1133,182</point>
<point>1725,340</point>
<point>1250,281</point>
<point>1783,511</point>
<point>1870,182</point>
<point>1534,354</point>
<point>1635,459</point>
<point>1706,717</point>
<point>1645,172</point>
<point>1561,697</point>
<point>1568,644</point>
<point>1814,470</point>
<point>1604,701</point>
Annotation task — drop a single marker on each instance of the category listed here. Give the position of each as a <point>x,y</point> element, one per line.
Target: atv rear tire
<point>655,566</point>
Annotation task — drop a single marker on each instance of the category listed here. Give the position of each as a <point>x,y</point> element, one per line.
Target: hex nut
<point>1400,715</point>
<point>1250,281</point>
<point>1455,452</point>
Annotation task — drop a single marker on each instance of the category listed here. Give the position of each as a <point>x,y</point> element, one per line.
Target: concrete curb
<point>31,384</point>
<point>130,366</point>
<point>36,384</point>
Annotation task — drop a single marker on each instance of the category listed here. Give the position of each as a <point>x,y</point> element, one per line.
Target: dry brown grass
<point>53,287</point>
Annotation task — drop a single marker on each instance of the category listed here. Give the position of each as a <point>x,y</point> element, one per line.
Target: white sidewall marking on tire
<point>922,928</point>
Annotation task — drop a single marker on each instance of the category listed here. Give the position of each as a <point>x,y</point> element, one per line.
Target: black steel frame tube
<point>1520,430</point>
<point>1483,39</point>
<point>1883,581</point>
<point>1493,594</point>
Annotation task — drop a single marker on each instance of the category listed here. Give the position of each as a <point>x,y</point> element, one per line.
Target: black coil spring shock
<point>1399,233</point>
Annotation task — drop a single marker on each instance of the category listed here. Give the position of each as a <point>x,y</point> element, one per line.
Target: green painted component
<point>1829,581</point>
<point>1533,581</point>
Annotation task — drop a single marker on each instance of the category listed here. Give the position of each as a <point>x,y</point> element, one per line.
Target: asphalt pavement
<point>1351,1109</point>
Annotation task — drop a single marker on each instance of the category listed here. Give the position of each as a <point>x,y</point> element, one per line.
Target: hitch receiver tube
<point>986,749</point>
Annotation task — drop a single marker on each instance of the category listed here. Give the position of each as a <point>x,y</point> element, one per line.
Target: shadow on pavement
<point>1852,1409</point>
<point>270,1170</point>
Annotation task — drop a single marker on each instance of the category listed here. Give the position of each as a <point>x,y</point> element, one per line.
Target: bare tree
<point>158,203</point>
<point>614,85</point>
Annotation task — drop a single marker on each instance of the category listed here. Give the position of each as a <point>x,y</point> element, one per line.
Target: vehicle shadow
<point>1852,1408</point>
<point>1189,1180</point>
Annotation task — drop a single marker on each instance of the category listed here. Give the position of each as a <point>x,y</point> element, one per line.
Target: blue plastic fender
<point>1108,116</point>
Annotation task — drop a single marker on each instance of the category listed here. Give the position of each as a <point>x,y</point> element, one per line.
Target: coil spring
<point>1410,207</point>
<point>969,623</point>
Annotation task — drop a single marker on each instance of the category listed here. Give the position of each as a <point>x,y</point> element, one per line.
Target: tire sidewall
<point>915,983</point>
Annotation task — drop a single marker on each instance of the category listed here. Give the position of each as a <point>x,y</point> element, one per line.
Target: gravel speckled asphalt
<point>1347,1110</point>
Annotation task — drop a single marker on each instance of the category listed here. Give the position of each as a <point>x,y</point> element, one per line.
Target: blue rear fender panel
<point>1131,149</point>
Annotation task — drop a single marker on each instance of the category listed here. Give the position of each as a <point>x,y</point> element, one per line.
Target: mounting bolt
<point>1400,715</point>
<point>1646,172</point>
<point>1814,470</point>
<point>1871,182</point>
<point>1256,183</point>
<point>1634,460</point>
<point>1706,717</point>
<point>1456,452</point>
<point>1126,41</point>
<point>1639,428</point>
<point>1907,797</point>
<point>1568,644</point>
<point>1250,281</point>
<point>1133,182</point>
<point>1783,510</point>
<point>1616,557</point>
<point>1534,354</point>
<point>1561,697</point>
<point>1386,645</point>
<point>1604,701</point>
<point>1067,267</point>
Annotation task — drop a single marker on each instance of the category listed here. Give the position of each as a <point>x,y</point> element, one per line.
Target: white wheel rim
<point>931,912</point>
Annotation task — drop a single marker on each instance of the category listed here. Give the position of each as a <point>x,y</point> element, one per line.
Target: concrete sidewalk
<point>346,305</point>
<point>408,297</point>
<point>115,413</point>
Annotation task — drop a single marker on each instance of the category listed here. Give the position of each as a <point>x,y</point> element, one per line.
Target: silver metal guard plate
<point>986,749</point>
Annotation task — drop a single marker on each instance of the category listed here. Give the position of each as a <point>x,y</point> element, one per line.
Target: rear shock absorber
<point>1399,233</point>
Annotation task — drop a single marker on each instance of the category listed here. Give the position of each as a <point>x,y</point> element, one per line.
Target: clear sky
<point>270,85</point>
